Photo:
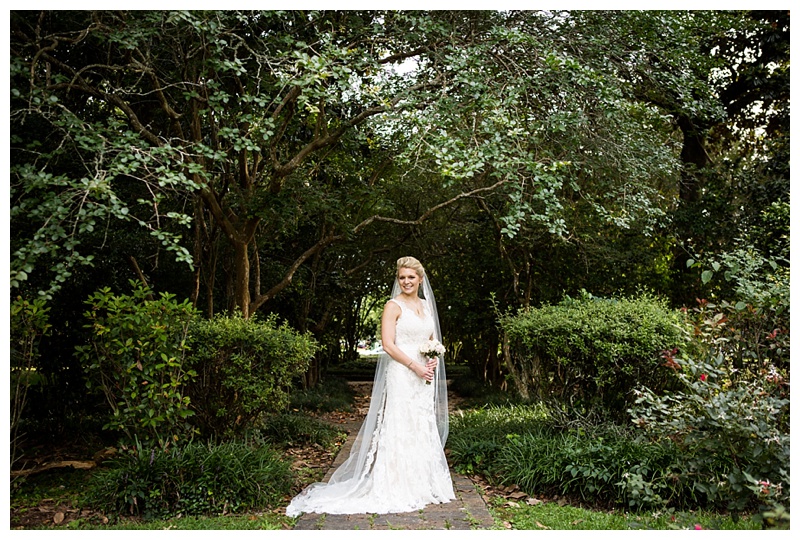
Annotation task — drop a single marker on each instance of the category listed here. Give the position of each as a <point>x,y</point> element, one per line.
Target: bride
<point>397,462</point>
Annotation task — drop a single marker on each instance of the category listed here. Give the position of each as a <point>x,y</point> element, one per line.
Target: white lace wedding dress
<point>404,468</point>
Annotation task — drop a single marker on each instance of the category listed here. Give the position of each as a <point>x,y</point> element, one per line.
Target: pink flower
<point>703,377</point>
<point>698,527</point>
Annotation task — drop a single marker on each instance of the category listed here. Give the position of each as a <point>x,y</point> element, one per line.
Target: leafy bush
<point>29,322</point>
<point>588,354</point>
<point>752,329</point>
<point>732,433</point>
<point>137,358</point>
<point>749,338</point>
<point>593,467</point>
<point>198,478</point>
<point>245,369</point>
<point>473,389</point>
<point>360,369</point>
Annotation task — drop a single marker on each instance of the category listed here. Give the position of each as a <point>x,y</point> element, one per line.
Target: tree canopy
<point>283,159</point>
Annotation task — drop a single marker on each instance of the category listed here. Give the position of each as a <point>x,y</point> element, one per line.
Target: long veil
<point>351,474</point>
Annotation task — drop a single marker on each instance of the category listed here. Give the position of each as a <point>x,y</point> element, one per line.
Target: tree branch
<point>430,210</point>
<point>402,56</point>
<point>282,171</point>
<point>259,300</point>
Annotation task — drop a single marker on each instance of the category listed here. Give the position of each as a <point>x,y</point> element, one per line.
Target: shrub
<point>29,322</point>
<point>588,354</point>
<point>360,369</point>
<point>591,466</point>
<point>198,478</point>
<point>137,358</point>
<point>473,389</point>
<point>750,338</point>
<point>732,433</point>
<point>245,369</point>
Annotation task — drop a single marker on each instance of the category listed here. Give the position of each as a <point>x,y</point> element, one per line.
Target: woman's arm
<point>391,312</point>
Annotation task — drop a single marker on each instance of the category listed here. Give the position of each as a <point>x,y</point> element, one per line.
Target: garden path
<point>467,511</point>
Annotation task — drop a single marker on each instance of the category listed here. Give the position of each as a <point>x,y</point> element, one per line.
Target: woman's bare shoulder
<point>393,303</point>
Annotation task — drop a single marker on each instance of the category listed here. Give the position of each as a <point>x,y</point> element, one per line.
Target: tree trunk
<point>518,376</point>
<point>694,159</point>
<point>242,277</point>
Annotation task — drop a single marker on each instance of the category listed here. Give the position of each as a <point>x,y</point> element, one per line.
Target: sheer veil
<point>352,474</point>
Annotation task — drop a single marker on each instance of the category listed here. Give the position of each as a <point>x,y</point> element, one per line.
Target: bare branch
<point>430,210</point>
<point>287,278</point>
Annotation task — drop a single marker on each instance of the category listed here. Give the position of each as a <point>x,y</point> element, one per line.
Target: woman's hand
<point>430,368</point>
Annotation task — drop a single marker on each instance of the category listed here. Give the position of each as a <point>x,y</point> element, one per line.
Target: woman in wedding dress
<point>397,462</point>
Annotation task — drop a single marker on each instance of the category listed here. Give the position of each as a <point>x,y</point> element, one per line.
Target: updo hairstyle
<point>412,263</point>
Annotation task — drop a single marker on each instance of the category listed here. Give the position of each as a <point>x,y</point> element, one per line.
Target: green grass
<point>546,516</point>
<point>189,523</point>
<point>199,523</point>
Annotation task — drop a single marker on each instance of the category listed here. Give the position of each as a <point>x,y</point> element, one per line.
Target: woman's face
<point>409,281</point>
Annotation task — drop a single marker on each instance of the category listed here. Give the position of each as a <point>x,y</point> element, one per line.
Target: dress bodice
<point>411,329</point>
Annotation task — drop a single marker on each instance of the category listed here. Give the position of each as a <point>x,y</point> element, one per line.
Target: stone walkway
<point>467,511</point>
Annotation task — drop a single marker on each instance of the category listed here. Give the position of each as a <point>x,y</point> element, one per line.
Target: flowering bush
<point>732,433</point>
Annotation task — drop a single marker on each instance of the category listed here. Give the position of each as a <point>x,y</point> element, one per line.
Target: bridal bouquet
<point>431,349</point>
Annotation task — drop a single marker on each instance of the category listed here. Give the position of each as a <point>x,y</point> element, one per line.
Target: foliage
<point>75,180</point>
<point>359,369</point>
<point>287,129</point>
<point>137,357</point>
<point>192,479</point>
<point>731,432</point>
<point>750,339</point>
<point>523,445</point>
<point>255,521</point>
<point>29,321</point>
<point>331,394</point>
<point>291,429</point>
<point>245,369</point>
<point>753,329</point>
<point>587,354</point>
<point>476,436</point>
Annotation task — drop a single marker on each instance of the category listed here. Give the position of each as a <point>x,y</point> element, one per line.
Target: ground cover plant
<point>603,466</point>
<point>196,479</point>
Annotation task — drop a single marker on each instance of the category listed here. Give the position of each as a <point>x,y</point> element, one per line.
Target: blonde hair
<point>412,263</point>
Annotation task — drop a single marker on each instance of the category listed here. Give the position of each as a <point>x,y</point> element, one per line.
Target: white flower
<point>432,348</point>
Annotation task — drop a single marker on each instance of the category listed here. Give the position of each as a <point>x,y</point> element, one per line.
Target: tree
<point>254,111</point>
